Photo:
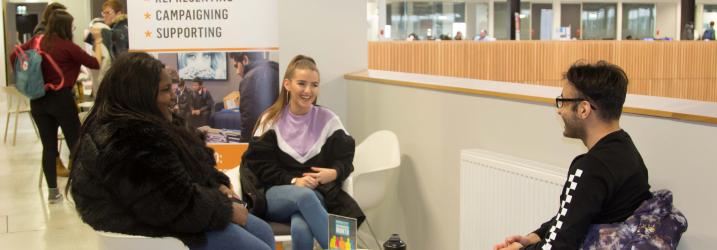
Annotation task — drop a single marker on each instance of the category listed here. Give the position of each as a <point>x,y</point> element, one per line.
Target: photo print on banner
<point>202,65</point>
<point>250,79</point>
<point>222,57</point>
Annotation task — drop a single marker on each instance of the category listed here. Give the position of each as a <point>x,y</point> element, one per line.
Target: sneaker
<point>54,196</point>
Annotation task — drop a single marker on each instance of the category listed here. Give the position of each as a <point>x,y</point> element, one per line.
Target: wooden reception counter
<point>677,69</point>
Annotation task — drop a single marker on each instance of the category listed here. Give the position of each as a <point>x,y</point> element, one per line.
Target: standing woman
<point>60,169</point>
<point>300,160</point>
<point>114,16</point>
<point>58,108</point>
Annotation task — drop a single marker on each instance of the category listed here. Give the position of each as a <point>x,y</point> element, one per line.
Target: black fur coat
<point>129,178</point>
<point>264,165</point>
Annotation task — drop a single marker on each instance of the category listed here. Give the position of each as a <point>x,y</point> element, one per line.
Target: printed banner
<point>203,25</point>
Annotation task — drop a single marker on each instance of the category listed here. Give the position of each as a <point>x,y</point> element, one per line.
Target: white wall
<point>334,34</point>
<point>666,19</point>
<point>80,10</point>
<point>433,126</point>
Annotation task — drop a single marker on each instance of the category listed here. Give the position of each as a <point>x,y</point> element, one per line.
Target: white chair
<point>375,163</point>
<point>115,241</point>
<point>16,104</point>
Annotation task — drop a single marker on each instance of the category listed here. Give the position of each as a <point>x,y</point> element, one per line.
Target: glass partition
<point>585,20</point>
<point>599,21</point>
<point>638,21</point>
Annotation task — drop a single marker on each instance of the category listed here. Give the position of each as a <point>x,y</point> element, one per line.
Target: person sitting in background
<point>483,36</point>
<point>412,37</point>
<point>184,101</point>
<point>140,170</point>
<point>444,37</point>
<point>606,184</point>
<point>459,36</point>
<point>709,32</point>
<point>202,103</point>
<point>294,168</point>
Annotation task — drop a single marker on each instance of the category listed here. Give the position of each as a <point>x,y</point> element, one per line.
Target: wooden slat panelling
<point>679,69</point>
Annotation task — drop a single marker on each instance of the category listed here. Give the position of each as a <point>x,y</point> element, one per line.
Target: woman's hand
<point>322,175</point>
<point>96,33</point>
<point>239,214</point>
<point>306,181</point>
<point>228,192</point>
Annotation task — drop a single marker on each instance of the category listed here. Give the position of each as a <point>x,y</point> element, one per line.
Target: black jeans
<point>56,108</point>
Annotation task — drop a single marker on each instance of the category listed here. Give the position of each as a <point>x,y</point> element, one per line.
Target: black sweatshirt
<point>605,185</point>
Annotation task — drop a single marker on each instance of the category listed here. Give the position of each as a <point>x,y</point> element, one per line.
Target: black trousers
<point>55,109</point>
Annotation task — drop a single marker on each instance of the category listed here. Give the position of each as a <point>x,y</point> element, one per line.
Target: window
<point>599,21</point>
<point>426,19</point>
<point>638,21</point>
<point>502,23</point>
<point>502,20</point>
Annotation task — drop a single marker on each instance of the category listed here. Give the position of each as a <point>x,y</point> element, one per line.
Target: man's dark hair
<point>198,80</point>
<point>240,56</point>
<point>603,84</point>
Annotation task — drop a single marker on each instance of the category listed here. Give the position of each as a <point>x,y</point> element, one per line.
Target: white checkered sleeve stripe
<point>571,185</point>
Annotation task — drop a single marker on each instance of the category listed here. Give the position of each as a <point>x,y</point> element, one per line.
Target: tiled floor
<point>27,221</point>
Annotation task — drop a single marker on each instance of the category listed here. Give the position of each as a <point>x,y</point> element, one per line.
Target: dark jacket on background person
<point>119,34</point>
<point>203,101</point>
<point>129,178</point>
<point>709,34</point>
<point>184,103</point>
<point>259,90</point>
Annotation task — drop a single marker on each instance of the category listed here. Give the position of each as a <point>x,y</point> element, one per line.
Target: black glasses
<point>559,101</point>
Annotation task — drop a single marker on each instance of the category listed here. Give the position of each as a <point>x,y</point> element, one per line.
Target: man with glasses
<point>606,184</point>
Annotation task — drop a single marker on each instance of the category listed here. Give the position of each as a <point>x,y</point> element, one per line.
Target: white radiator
<point>502,195</point>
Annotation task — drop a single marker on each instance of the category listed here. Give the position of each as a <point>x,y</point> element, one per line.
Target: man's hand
<point>513,246</point>
<point>306,181</point>
<point>518,241</point>
<point>239,214</point>
<point>322,175</point>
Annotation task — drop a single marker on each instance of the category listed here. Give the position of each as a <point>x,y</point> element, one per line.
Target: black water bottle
<point>394,243</point>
